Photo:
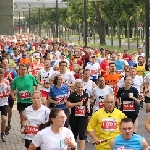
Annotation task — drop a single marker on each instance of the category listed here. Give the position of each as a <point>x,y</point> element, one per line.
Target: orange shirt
<point>25,61</point>
<point>112,81</point>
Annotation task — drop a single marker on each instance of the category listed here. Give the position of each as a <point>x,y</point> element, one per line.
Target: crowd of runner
<point>66,93</point>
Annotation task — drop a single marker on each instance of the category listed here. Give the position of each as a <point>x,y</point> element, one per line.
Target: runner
<point>24,84</point>
<point>44,80</point>
<point>4,92</point>
<point>9,74</point>
<point>104,124</point>
<point>141,67</point>
<point>58,96</point>
<point>54,130</point>
<point>112,77</point>
<point>127,140</point>
<point>100,92</point>
<point>94,68</point>
<point>129,99</point>
<point>34,116</point>
<point>79,103</point>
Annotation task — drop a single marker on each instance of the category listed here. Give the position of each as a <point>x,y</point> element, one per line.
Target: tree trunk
<point>128,34</point>
<point>100,24</point>
<point>118,30</point>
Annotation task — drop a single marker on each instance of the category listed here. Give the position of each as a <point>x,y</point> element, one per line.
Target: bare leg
<point>82,145</point>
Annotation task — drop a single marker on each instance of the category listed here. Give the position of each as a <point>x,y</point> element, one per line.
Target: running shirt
<point>47,140</point>
<point>106,125</point>
<point>4,89</point>
<point>78,111</point>
<point>88,86</point>
<point>36,67</point>
<point>134,143</point>
<point>94,68</point>
<point>35,118</point>
<point>59,94</point>
<point>25,88</point>
<point>112,81</point>
<point>12,73</point>
<point>147,80</point>
<point>128,105</point>
<point>119,65</point>
<point>99,95</point>
<point>45,76</point>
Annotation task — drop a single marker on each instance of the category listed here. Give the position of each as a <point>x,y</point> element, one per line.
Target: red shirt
<point>126,57</point>
<point>36,68</point>
<point>104,66</point>
<point>80,62</point>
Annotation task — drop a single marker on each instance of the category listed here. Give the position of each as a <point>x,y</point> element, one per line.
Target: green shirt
<point>145,73</point>
<point>24,86</point>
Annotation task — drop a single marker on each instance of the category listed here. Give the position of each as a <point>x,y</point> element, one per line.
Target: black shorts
<point>132,116</point>
<point>4,110</point>
<point>10,102</point>
<point>21,106</point>
<point>78,126</point>
<point>27,143</point>
<point>147,99</point>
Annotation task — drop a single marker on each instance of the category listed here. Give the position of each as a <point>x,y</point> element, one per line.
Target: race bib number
<point>24,95</point>
<point>94,72</point>
<point>61,99</point>
<point>101,104</point>
<point>128,106</point>
<point>109,124</point>
<point>80,111</point>
<point>3,94</point>
<point>32,129</point>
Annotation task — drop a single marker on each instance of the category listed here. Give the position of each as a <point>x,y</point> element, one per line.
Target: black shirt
<point>74,97</point>
<point>128,105</point>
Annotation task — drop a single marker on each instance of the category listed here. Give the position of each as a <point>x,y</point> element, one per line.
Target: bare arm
<point>71,105</point>
<point>112,144</point>
<point>32,147</point>
<point>144,144</point>
<point>147,123</point>
<point>12,93</point>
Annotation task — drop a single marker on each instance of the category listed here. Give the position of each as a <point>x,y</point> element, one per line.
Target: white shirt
<point>147,80</point>
<point>58,54</point>
<point>47,140</point>
<point>45,77</point>
<point>4,88</point>
<point>136,82</point>
<point>99,95</point>
<point>35,118</point>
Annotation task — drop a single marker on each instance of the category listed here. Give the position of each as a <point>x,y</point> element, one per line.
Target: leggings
<point>78,126</point>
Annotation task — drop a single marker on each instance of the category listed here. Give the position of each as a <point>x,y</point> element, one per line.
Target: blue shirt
<point>119,65</point>
<point>131,63</point>
<point>59,94</point>
<point>131,144</point>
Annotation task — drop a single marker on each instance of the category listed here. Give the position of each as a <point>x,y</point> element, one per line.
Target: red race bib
<point>93,71</point>
<point>109,124</point>
<point>32,129</point>
<point>101,104</point>
<point>128,106</point>
<point>80,111</point>
<point>24,95</point>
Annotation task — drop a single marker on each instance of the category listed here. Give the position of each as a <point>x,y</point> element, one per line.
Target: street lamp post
<point>85,23</point>
<point>147,29</point>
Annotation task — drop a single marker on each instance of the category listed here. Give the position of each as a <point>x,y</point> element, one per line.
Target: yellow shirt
<point>140,70</point>
<point>106,126</point>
